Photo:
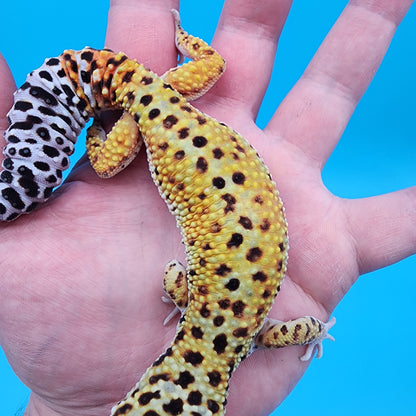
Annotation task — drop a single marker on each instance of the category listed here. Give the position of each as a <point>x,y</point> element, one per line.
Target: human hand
<point>87,267</point>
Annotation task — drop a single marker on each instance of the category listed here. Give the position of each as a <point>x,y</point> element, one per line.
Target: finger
<point>316,111</point>
<point>143,30</point>
<point>247,37</point>
<point>383,228</point>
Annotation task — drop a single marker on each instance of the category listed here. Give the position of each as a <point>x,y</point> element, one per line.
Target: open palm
<point>80,310</point>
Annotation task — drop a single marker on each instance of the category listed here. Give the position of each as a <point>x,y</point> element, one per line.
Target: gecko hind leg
<point>175,286</point>
<point>302,331</point>
<point>111,153</point>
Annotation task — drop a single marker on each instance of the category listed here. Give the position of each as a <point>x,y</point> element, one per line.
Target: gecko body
<point>213,181</point>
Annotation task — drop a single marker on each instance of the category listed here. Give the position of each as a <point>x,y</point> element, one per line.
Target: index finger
<point>143,30</point>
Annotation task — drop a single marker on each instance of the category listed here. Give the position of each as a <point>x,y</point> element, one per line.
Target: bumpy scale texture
<point>213,181</point>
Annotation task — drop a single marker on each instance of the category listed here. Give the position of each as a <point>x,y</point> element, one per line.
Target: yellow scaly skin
<point>232,221</point>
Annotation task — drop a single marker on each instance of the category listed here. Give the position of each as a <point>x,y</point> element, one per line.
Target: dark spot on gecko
<point>186,108</point>
<point>279,266</point>
<point>259,276</point>
<point>179,155</point>
<point>215,228</point>
<point>145,398</point>
<point>202,165</point>
<point>5,177</point>
<point>168,87</point>
<point>238,178</point>
<point>159,361</point>
<point>185,378</point>
<point>265,225</point>
<point>218,182</point>
<point>61,74</point>
<point>201,120</point>
<point>174,100</point>
<point>183,133</point>
<point>154,379</point>
<point>240,332</point>
<point>203,290</point>
<point>151,413</point>
<point>53,62</point>
<point>213,406</point>
<point>281,247</point>
<point>254,254</point>
<point>87,56</point>
<point>197,332</point>
<point>295,334</point>
<point>174,407</point>
<point>147,80</point>
<point>284,330</point>
<point>13,139</point>
<point>194,398</point>
<point>194,358</point>
<point>26,172</point>
<point>233,284</point>
<point>202,197</point>
<point>308,330</point>
<point>169,121</point>
<point>155,112</point>
<point>123,409</point>
<point>218,320</point>
<point>127,77</point>
<point>235,241</point>
<point>23,106</point>
<point>199,141</point>
<point>220,343</point>
<point>258,199</point>
<point>30,186</point>
<point>218,153</point>
<point>230,200</point>
<point>222,270</point>
<point>214,378</point>
<point>60,130</point>
<point>179,336</point>
<point>146,99</point>
<point>50,151</point>
<point>238,308</point>
<point>238,349</point>
<point>224,303</point>
<point>204,311</point>
<point>26,125</point>
<point>246,223</point>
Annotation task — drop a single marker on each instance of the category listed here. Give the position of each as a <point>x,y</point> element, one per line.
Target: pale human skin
<point>80,310</point>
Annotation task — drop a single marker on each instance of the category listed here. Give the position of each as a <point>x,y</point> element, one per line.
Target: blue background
<point>370,369</point>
